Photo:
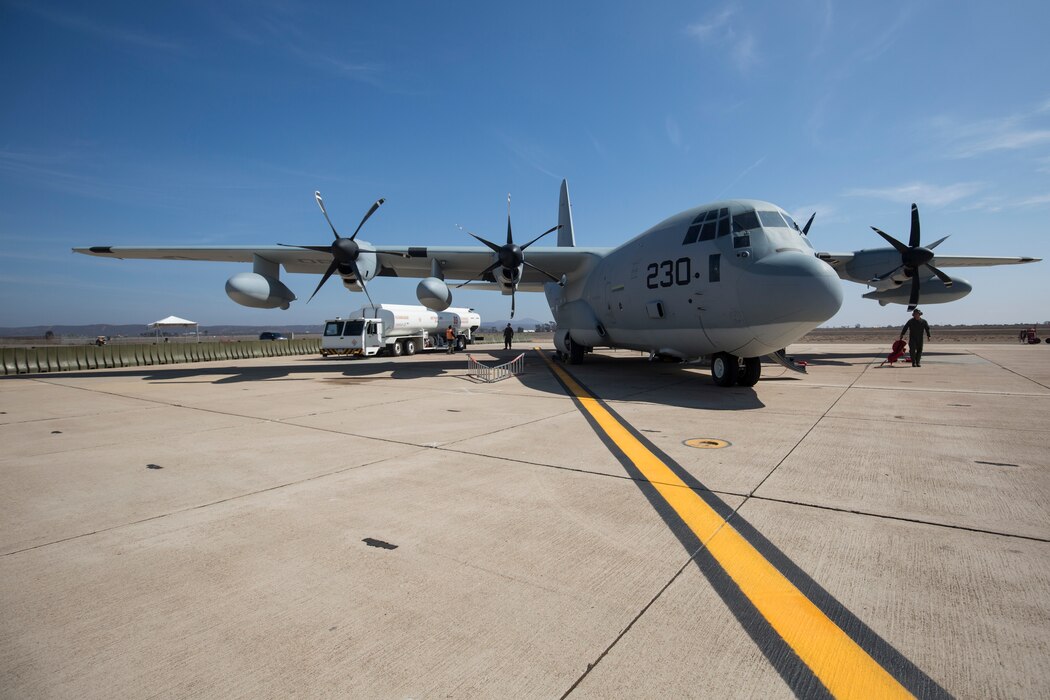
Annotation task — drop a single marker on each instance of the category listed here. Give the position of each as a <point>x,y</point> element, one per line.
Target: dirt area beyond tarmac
<point>940,334</point>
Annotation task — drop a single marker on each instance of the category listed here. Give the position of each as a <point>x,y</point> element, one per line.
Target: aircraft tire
<point>410,346</point>
<point>724,369</point>
<point>576,352</point>
<point>397,349</point>
<point>750,372</point>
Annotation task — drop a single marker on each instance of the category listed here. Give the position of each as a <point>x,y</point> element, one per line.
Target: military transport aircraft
<point>734,281</point>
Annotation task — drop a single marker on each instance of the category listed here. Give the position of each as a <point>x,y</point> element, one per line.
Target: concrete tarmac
<point>391,528</point>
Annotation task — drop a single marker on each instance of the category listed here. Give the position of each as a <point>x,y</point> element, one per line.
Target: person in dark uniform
<point>915,328</point>
<point>508,335</point>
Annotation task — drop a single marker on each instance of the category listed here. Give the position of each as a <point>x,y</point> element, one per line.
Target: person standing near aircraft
<point>508,335</point>
<point>450,339</point>
<point>915,327</point>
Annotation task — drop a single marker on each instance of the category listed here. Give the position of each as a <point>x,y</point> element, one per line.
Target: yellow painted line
<point>844,668</point>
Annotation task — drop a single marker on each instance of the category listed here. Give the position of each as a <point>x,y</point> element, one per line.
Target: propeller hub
<point>510,256</point>
<point>917,256</point>
<point>345,250</point>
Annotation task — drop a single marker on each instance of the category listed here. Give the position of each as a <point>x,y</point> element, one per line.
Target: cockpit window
<point>707,225</point>
<point>791,223</point>
<point>745,221</point>
<point>772,219</point>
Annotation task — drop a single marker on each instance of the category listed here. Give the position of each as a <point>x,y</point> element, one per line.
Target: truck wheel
<point>410,346</point>
<point>461,343</point>
<point>724,369</point>
<point>396,349</point>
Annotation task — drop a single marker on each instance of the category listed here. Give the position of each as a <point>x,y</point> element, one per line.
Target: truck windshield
<point>333,328</point>
<point>354,327</point>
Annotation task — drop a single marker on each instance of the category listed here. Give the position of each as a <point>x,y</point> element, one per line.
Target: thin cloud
<point>276,27</point>
<point>674,133</point>
<point>709,29</point>
<point>720,31</point>
<point>740,177</point>
<point>530,154</point>
<point>1008,133</point>
<point>109,32</point>
<point>920,192</point>
<point>883,41</point>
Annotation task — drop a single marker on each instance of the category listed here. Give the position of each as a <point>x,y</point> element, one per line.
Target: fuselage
<point>735,276</point>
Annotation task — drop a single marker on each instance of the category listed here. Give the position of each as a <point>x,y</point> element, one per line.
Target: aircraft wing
<point>839,261</point>
<point>457,262</point>
<point>978,260</point>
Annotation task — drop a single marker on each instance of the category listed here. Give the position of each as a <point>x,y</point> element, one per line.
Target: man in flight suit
<point>915,327</point>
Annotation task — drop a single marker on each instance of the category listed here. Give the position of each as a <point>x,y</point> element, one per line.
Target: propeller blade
<point>327,274</point>
<point>361,281</point>
<point>320,203</point>
<point>550,230</point>
<point>913,300</point>
<point>481,274</point>
<point>805,229</point>
<point>378,203</point>
<point>936,243</point>
<point>542,272</point>
<point>943,277</point>
<point>901,248</point>
<point>512,303</point>
<point>492,246</point>
<point>913,239</point>
<point>510,238</point>
<point>887,275</point>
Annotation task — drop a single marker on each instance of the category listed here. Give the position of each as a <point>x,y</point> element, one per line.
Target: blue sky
<point>213,123</point>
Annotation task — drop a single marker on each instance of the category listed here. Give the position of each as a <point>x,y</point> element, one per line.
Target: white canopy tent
<point>175,322</point>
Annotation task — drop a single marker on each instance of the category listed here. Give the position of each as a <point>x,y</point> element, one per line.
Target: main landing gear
<point>728,370</point>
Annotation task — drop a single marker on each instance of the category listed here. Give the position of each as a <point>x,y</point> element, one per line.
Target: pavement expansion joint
<point>899,518</point>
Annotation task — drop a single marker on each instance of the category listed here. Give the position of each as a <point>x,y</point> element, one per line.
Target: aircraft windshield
<point>772,219</point>
<point>745,221</point>
<point>333,328</point>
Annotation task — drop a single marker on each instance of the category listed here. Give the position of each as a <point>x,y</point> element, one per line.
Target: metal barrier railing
<point>66,358</point>
<point>485,373</point>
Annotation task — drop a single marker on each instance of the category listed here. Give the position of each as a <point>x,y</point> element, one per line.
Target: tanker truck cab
<point>360,336</point>
<point>395,330</point>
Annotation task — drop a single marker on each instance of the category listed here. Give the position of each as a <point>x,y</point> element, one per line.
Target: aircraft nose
<point>789,288</point>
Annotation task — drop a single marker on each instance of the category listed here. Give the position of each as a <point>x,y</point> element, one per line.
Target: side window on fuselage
<point>714,271</point>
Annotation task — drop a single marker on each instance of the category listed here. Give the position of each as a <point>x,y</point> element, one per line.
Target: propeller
<point>913,256</point>
<point>805,229</point>
<point>510,256</point>
<point>345,251</point>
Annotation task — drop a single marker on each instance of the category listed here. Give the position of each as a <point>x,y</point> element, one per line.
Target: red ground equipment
<point>899,346</point>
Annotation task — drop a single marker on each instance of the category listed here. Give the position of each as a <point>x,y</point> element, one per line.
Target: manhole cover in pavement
<point>706,443</point>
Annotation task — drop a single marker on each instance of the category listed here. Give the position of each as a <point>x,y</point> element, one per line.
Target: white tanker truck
<point>396,329</point>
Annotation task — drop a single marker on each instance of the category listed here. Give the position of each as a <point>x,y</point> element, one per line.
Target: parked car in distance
<point>272,335</point>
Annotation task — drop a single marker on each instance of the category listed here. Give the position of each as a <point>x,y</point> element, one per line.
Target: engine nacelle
<point>258,291</point>
<point>434,294</point>
<point>931,291</point>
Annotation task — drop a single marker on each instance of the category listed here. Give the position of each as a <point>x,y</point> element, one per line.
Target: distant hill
<point>134,330</point>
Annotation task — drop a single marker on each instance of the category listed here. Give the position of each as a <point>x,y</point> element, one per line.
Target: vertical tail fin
<point>566,237</point>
